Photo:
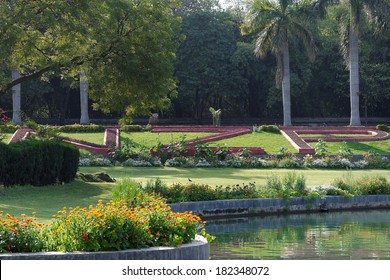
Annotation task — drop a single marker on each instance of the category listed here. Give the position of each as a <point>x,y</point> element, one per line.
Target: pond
<point>325,236</point>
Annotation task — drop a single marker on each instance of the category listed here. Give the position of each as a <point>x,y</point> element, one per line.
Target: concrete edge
<point>199,249</point>
<point>272,206</point>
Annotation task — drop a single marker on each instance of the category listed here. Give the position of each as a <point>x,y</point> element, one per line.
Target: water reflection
<point>335,235</point>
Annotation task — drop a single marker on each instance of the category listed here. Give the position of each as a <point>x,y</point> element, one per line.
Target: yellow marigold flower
<point>33,213</point>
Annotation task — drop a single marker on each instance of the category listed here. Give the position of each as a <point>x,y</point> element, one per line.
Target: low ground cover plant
<point>220,158</point>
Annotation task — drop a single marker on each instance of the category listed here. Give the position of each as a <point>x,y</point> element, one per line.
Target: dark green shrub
<point>74,128</point>
<point>31,124</point>
<point>267,128</point>
<point>131,128</point>
<point>383,127</point>
<point>70,163</point>
<point>38,163</point>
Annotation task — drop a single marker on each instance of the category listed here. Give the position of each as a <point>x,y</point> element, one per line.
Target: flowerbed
<point>245,160</point>
<point>145,221</point>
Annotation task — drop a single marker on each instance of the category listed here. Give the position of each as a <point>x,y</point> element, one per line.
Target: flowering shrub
<point>116,225</point>
<point>136,163</point>
<point>19,234</point>
<point>94,160</point>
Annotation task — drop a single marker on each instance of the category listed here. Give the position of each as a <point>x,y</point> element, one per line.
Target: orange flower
<point>85,236</point>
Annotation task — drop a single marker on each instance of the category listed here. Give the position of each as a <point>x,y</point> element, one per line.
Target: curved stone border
<point>252,207</point>
<point>199,249</point>
<point>294,135</point>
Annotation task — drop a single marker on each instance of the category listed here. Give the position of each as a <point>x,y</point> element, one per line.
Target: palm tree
<point>379,11</point>
<point>274,21</point>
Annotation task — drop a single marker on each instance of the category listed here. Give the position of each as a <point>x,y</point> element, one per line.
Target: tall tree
<point>274,22</point>
<point>379,12</point>
<point>128,45</point>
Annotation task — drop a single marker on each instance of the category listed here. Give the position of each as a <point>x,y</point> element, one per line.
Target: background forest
<point>215,66</point>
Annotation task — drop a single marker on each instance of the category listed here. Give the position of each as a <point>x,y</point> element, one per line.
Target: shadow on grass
<point>47,200</point>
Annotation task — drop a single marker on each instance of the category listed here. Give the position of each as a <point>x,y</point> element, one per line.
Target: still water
<point>327,236</point>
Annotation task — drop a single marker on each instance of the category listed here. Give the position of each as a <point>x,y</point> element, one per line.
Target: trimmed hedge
<point>75,128</point>
<point>37,163</point>
<point>383,127</point>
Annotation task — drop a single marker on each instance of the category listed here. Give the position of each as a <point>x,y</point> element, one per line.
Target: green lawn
<point>150,139</point>
<point>47,200</point>
<point>358,148</point>
<point>95,137</point>
<point>271,142</point>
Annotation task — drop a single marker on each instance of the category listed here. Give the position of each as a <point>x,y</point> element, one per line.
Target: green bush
<point>267,128</point>
<point>75,128</point>
<point>9,128</point>
<point>31,124</point>
<point>291,185</point>
<point>131,128</point>
<point>372,186</point>
<point>37,163</point>
<point>383,127</point>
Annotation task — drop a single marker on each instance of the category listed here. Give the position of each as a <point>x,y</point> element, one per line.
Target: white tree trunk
<point>84,98</point>
<point>354,72</point>
<point>286,87</point>
<point>16,99</point>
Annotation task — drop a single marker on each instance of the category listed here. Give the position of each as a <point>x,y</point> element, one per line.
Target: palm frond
<point>306,37</point>
<point>344,42</point>
<point>378,13</point>
<point>264,41</point>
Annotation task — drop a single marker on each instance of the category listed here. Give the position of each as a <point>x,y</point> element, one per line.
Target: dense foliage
<point>214,66</point>
<point>37,163</point>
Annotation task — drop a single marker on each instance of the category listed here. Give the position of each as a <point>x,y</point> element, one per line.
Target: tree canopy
<point>126,46</point>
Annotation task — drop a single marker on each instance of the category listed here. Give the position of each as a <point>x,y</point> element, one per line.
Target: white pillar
<point>84,98</point>
<point>16,90</point>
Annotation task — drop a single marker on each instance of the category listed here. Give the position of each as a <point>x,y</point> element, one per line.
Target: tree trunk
<point>286,86</point>
<point>84,98</point>
<point>16,97</point>
<point>354,71</point>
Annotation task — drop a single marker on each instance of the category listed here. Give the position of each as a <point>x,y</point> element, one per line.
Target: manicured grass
<point>150,139</point>
<point>271,142</point>
<point>226,176</point>
<point>358,148</point>
<point>47,200</point>
<point>95,138</point>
